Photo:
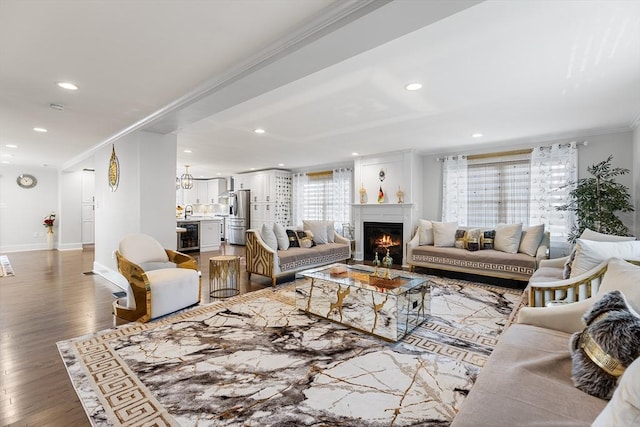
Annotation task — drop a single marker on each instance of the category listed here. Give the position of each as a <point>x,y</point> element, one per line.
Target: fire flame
<point>386,241</point>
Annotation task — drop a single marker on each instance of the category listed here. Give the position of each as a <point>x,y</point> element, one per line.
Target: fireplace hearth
<point>378,237</point>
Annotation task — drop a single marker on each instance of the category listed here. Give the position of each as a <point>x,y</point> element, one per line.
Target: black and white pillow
<point>293,239</point>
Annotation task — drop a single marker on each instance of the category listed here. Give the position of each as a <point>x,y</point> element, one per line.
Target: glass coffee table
<point>350,295</point>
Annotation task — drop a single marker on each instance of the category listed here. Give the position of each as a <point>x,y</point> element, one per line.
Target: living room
<point>150,158</point>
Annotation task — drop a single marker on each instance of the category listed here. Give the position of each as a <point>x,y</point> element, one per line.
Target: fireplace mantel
<point>384,212</point>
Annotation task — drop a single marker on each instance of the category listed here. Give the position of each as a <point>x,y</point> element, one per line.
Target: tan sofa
<point>263,260</point>
<point>527,379</point>
<point>484,262</point>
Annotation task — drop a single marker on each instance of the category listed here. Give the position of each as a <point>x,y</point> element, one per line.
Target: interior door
<point>88,207</point>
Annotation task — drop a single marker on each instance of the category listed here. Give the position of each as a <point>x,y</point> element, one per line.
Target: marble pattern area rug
<point>255,360</point>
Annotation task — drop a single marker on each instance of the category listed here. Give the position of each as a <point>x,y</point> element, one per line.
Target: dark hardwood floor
<point>51,298</point>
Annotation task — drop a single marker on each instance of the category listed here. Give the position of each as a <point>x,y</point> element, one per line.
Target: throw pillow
<point>331,228</point>
<point>486,239</point>
<point>531,238</point>
<point>472,239</point>
<point>608,344</point>
<point>293,239</point>
<point>281,236</point>
<point>304,236</point>
<point>507,238</point>
<point>269,236</point>
<point>588,234</point>
<point>624,407</point>
<point>319,230</point>
<point>425,231</point>
<point>590,253</point>
<point>444,233</point>
<point>460,242</point>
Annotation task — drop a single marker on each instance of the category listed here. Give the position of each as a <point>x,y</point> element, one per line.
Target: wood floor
<point>51,298</point>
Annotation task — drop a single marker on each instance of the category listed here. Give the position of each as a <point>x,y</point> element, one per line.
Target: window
<point>323,196</point>
<point>498,192</point>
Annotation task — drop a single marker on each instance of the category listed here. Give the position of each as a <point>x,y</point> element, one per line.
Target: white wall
<point>22,211</point>
<point>70,236</point>
<point>620,145</point>
<point>144,201</point>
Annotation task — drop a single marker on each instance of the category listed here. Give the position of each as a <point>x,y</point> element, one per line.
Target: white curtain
<point>342,193</point>
<point>454,189</point>
<point>554,172</point>
<point>299,181</point>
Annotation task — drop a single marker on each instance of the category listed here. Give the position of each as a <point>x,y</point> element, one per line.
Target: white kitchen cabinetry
<point>210,234</point>
<point>270,197</point>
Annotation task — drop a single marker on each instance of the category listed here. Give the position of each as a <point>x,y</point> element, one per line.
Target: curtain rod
<point>513,152</point>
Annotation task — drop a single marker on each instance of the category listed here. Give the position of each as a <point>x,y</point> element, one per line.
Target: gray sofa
<point>263,260</point>
<point>485,262</point>
<point>527,379</point>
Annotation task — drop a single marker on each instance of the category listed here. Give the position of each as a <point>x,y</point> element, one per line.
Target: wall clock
<point>26,181</point>
<point>114,170</point>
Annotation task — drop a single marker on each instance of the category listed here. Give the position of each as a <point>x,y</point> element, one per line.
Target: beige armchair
<point>614,274</point>
<point>161,280</point>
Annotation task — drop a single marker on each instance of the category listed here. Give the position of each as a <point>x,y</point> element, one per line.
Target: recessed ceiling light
<point>354,154</point>
<point>6,162</point>
<point>476,135</point>
<point>280,164</point>
<point>7,155</point>
<point>219,173</point>
<point>259,130</point>
<point>11,146</point>
<point>40,130</point>
<point>67,85</point>
<point>252,169</point>
<point>413,86</point>
<point>187,151</point>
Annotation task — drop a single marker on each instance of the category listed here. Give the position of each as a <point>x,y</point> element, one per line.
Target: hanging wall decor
<point>114,170</point>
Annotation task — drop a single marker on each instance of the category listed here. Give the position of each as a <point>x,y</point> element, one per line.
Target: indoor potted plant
<point>597,199</point>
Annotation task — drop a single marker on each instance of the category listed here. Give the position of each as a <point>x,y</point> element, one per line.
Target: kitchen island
<point>203,233</point>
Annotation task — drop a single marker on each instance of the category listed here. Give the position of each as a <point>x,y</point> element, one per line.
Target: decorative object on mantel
<point>400,195</point>
<point>380,195</point>
<point>114,169</point>
<point>382,175</point>
<point>48,222</point>
<point>363,195</point>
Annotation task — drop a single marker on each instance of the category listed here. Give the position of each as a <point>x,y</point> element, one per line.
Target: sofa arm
<point>413,243</point>
<point>565,318</point>
<point>573,289</point>
<point>343,240</point>
<point>554,262</point>
<point>261,259</point>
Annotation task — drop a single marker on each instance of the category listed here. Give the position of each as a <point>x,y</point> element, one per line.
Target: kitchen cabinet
<point>242,181</point>
<point>210,234</point>
<point>271,198</point>
<point>202,191</point>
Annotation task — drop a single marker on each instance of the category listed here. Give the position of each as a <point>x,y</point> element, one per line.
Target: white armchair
<point>161,280</point>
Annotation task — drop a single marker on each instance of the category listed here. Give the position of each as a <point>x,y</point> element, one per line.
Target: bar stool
<point>224,276</point>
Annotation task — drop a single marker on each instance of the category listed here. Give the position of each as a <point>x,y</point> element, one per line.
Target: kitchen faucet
<point>188,211</point>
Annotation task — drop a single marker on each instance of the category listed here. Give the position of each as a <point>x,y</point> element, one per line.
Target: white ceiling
<point>323,78</point>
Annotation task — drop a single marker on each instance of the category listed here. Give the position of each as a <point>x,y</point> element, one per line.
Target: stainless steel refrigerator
<point>239,216</point>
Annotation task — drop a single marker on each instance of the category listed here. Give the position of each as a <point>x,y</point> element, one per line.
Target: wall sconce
<point>186,180</point>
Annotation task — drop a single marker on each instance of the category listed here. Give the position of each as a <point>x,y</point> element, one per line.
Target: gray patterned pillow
<point>608,344</point>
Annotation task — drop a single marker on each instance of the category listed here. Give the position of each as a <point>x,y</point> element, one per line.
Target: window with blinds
<point>498,191</point>
<point>317,196</point>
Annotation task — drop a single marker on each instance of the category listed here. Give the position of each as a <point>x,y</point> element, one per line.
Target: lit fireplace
<point>378,237</point>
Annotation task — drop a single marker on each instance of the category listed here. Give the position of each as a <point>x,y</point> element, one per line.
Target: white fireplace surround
<point>404,213</point>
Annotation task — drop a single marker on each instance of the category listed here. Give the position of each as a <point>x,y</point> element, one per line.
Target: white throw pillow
<point>624,407</point>
<point>281,236</point>
<point>425,232</point>
<point>590,253</point>
<point>530,239</point>
<point>507,238</point>
<point>269,236</point>
<point>588,234</point>
<point>331,228</point>
<point>319,230</point>
<point>444,233</point>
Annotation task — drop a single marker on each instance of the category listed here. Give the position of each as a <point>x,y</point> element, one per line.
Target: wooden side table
<point>224,276</point>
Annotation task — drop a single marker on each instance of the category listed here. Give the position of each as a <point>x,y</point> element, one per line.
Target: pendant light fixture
<point>186,180</point>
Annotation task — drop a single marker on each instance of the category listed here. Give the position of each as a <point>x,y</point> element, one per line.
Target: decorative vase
<point>363,195</point>
<point>50,238</point>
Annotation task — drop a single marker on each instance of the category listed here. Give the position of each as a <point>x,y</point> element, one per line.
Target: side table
<point>224,276</point>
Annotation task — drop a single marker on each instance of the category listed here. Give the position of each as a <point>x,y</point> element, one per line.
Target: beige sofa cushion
<point>624,407</point>
<point>425,232</point>
<point>444,233</point>
<point>507,238</point>
<point>590,253</point>
<point>527,382</point>
<point>530,239</point>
